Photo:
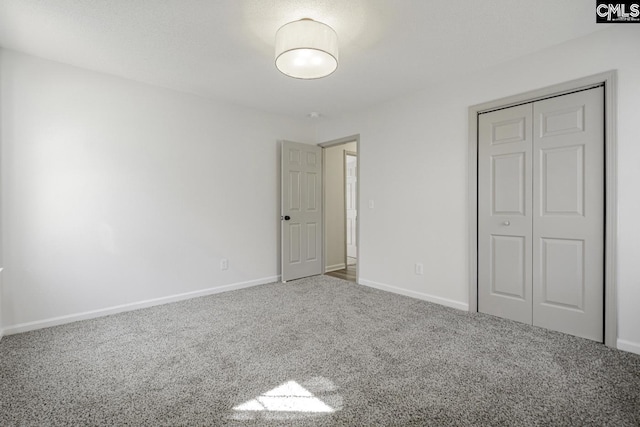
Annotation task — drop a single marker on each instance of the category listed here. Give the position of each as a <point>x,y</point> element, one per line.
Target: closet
<point>541,213</point>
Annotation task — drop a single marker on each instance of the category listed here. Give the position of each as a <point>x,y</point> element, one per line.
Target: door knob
<point>507,223</point>
<point>287,217</point>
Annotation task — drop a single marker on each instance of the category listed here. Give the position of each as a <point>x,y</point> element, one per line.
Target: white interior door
<point>568,219</point>
<point>301,210</point>
<point>541,213</point>
<point>351,185</point>
<point>504,213</point>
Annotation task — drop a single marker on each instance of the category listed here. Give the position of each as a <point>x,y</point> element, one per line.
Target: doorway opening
<point>340,193</point>
<point>350,207</point>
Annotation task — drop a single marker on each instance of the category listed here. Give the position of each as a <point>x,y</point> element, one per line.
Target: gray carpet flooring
<point>318,351</point>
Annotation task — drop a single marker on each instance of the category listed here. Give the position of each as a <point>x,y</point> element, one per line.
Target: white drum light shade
<point>306,49</point>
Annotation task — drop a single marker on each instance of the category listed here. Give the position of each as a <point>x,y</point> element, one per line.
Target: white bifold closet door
<point>541,213</point>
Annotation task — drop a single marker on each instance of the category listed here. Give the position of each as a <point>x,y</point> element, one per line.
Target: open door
<point>351,206</point>
<point>301,210</point>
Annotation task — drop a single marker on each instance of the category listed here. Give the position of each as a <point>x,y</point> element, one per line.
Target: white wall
<point>334,204</point>
<point>116,192</point>
<point>421,214</point>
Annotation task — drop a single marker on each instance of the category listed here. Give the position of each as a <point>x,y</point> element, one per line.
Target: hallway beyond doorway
<point>348,273</point>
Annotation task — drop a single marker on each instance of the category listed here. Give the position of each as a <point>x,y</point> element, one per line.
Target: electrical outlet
<point>419,268</point>
<point>224,264</point>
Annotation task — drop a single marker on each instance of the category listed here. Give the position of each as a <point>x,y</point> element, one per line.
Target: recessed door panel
<point>312,198</point>
<point>508,131</point>
<point>295,240</point>
<point>294,190</point>
<point>294,157</point>
<point>508,182</point>
<point>562,273</point>
<point>301,215</point>
<point>508,266</point>
<point>562,120</point>
<point>562,174</point>
<point>312,159</point>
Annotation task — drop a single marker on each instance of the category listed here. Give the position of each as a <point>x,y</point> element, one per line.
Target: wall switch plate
<point>224,264</point>
<point>370,204</point>
<point>419,268</point>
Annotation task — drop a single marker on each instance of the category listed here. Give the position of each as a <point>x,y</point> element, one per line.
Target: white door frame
<point>609,80</point>
<point>333,143</point>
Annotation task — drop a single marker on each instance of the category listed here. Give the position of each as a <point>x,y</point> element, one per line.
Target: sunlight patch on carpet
<point>291,400</point>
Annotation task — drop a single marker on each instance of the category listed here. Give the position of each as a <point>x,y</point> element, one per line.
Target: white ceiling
<point>223,49</point>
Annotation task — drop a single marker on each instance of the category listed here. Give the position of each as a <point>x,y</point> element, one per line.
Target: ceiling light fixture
<point>306,49</point>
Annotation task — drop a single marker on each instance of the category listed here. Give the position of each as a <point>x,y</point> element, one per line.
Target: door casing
<point>609,80</point>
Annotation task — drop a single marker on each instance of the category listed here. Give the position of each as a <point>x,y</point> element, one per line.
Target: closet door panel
<point>505,213</point>
<point>568,213</point>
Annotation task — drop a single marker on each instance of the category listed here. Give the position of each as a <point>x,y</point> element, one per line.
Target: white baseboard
<point>413,294</point>
<point>631,347</point>
<point>55,321</point>
<point>330,268</point>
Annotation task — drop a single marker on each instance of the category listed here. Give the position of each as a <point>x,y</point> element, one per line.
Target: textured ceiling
<point>223,49</point>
